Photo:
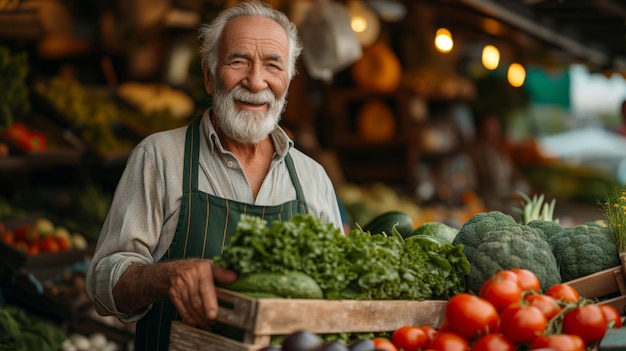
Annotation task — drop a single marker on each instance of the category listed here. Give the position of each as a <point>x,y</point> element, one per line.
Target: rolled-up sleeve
<point>104,276</point>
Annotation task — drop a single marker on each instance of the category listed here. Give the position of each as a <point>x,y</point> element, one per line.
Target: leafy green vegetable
<point>441,232</point>
<point>22,332</point>
<point>361,265</point>
<point>301,244</point>
<point>14,70</point>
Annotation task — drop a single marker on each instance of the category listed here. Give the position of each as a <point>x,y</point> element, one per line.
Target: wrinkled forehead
<point>248,34</point>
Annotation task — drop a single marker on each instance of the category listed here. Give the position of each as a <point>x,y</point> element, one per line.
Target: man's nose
<point>255,79</point>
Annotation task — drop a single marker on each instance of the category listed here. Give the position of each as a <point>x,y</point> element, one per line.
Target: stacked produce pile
<point>508,314</point>
<point>505,279</point>
<point>494,241</point>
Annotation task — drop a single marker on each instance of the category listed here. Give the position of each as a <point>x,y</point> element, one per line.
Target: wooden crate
<point>262,318</point>
<point>608,286</point>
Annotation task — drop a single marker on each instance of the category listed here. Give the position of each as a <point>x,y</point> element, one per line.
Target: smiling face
<point>249,92</point>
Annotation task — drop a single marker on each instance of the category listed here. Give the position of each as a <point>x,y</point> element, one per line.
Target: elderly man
<point>183,190</point>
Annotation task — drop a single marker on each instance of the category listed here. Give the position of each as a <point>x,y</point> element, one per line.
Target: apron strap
<point>296,183</point>
<point>192,143</point>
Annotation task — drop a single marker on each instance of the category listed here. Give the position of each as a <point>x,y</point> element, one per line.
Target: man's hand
<point>192,289</point>
<point>189,283</point>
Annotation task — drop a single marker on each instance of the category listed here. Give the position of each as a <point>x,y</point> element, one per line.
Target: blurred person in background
<point>497,177</point>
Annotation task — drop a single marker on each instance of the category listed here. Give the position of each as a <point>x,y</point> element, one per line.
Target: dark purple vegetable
<point>331,346</point>
<point>301,341</point>
<point>362,345</point>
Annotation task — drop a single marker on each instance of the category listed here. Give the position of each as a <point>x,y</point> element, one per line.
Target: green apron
<point>204,227</point>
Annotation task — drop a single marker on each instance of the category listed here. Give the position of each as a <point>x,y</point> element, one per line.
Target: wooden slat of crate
<point>262,318</point>
<point>602,284</point>
<point>272,316</point>
<point>184,337</point>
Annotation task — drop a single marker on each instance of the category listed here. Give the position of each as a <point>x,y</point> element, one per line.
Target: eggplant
<point>331,346</point>
<point>301,340</point>
<point>362,345</point>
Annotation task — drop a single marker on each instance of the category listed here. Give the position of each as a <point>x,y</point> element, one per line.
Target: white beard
<point>246,126</point>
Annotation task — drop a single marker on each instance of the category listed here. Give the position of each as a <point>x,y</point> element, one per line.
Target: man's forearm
<point>140,285</point>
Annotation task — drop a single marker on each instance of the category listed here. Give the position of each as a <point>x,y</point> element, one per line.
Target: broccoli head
<point>584,249</point>
<point>474,229</point>
<point>513,247</point>
<point>550,228</point>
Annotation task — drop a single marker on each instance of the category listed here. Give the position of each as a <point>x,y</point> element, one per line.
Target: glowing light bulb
<point>516,75</point>
<point>358,24</point>
<point>491,57</point>
<point>443,40</point>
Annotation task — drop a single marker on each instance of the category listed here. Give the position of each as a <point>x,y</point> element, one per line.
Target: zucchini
<point>385,221</point>
<point>290,284</point>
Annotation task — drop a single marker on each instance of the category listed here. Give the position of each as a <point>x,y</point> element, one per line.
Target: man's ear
<point>208,78</point>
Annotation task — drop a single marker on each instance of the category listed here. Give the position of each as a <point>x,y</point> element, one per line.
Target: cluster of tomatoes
<point>25,138</point>
<point>508,314</point>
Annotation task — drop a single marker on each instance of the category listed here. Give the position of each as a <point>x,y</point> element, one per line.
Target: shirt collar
<point>282,142</point>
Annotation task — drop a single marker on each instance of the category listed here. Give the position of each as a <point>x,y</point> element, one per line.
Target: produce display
<point>511,286</point>
<point>42,236</point>
<point>13,73</point>
<point>21,331</point>
<point>494,241</point>
<point>25,138</point>
<point>509,314</point>
<point>89,111</point>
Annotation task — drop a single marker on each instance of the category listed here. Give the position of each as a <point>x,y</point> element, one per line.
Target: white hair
<point>211,33</point>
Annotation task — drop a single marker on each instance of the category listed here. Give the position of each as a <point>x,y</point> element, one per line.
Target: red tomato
<point>493,342</point>
<point>384,344</point>
<point>547,304</point>
<point>49,244</point>
<point>36,141</point>
<point>522,323</point>
<point>471,316</point>
<point>501,292</point>
<point>586,321</point>
<point>505,275</point>
<point>527,279</point>
<point>409,338</point>
<point>429,331</point>
<point>613,318</point>
<point>563,292</point>
<point>8,237</point>
<point>17,132</point>
<point>448,341</point>
<point>558,342</point>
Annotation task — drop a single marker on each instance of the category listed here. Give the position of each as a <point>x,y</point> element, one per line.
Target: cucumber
<point>291,284</point>
<point>385,221</point>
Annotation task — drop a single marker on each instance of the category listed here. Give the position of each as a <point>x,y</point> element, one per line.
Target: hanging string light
<point>490,57</point>
<point>516,75</point>
<point>443,40</point>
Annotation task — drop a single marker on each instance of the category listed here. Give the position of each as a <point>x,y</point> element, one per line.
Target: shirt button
<point>230,164</point>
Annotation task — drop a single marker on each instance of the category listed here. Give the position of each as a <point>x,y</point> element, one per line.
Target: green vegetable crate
<point>607,286</point>
<point>262,318</point>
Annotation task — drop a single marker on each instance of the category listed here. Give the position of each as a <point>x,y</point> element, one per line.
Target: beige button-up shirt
<point>142,218</point>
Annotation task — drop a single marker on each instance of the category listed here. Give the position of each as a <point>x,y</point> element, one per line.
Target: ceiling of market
<point>588,31</point>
